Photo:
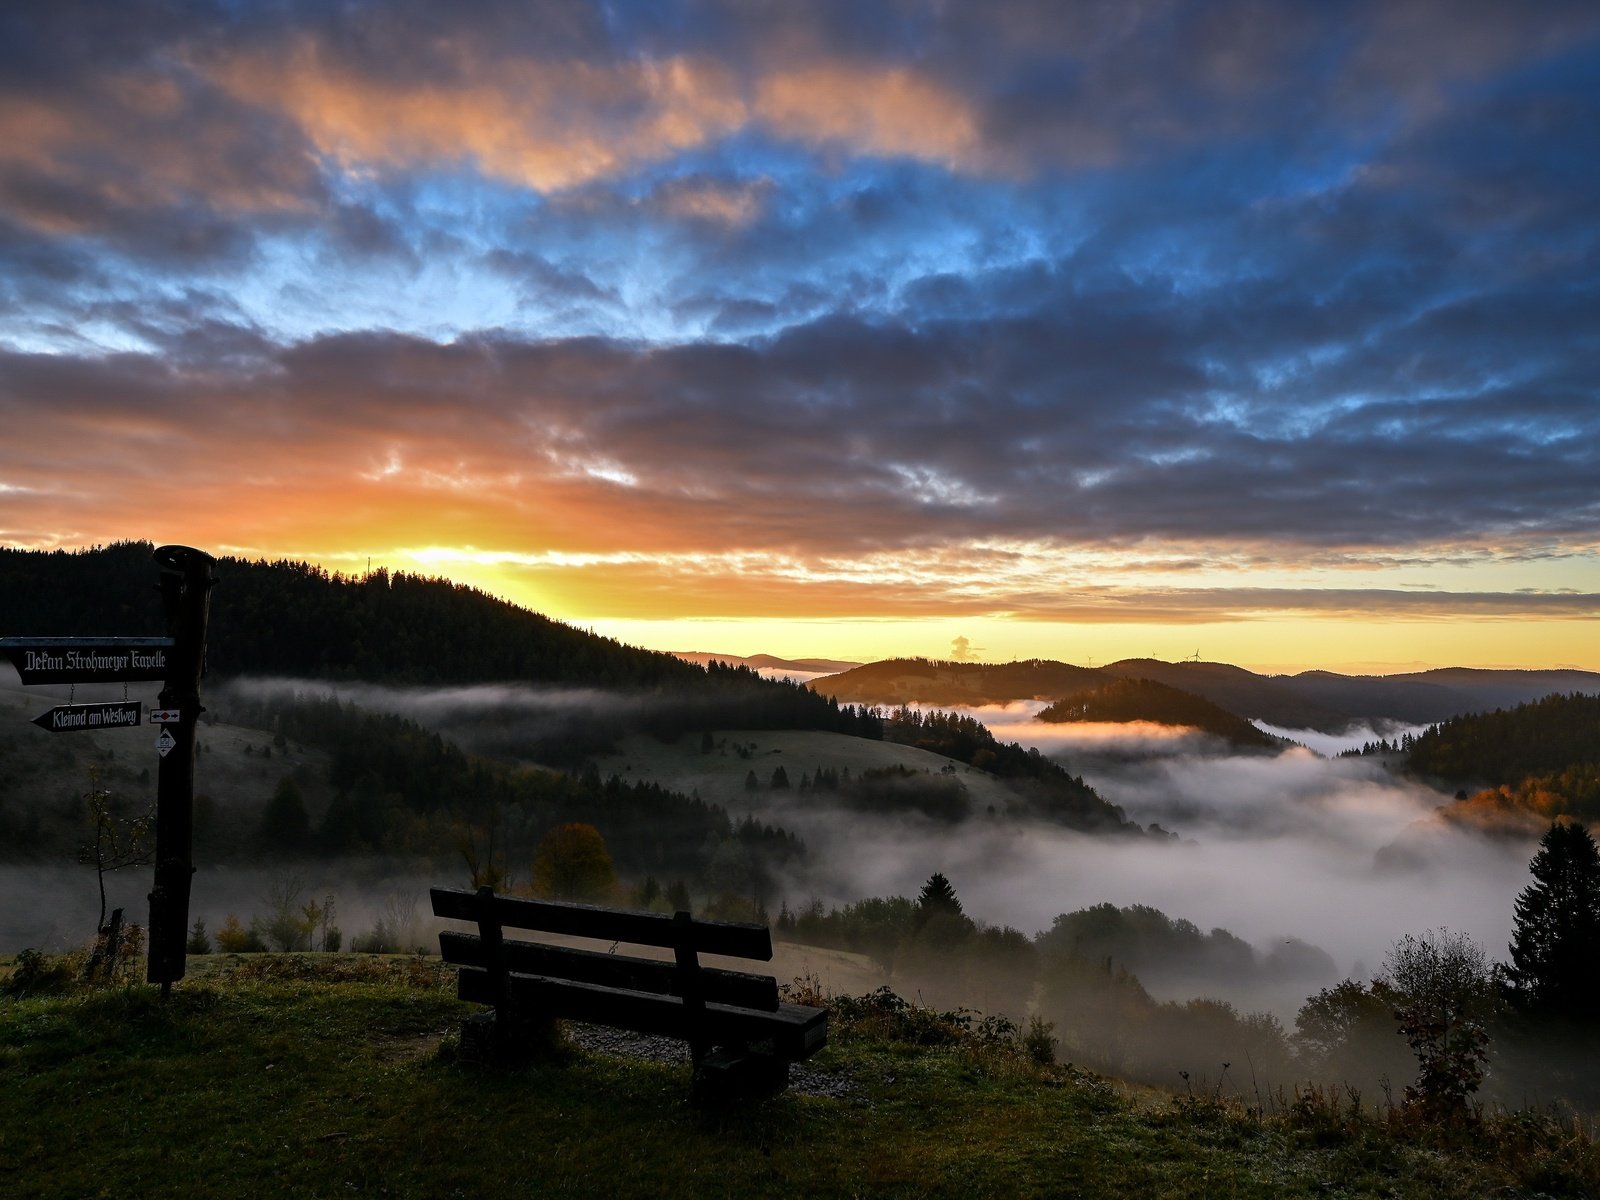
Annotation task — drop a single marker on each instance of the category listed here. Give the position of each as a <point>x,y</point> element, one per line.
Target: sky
<point>1264,332</point>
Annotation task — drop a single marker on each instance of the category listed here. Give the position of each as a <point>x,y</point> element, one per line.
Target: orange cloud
<point>555,125</point>
<point>879,110</point>
<point>548,125</point>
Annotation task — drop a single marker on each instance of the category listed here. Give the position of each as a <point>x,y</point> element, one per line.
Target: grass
<point>286,1075</point>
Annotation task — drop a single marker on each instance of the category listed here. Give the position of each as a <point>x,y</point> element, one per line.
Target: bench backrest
<point>486,956</point>
<point>735,939</point>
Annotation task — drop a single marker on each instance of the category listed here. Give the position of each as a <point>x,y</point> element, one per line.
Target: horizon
<point>1035,331</point>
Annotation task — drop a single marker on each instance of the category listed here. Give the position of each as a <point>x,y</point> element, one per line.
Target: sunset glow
<point>1252,333</point>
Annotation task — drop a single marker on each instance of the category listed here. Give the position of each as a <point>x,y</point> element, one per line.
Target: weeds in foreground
<point>36,974</point>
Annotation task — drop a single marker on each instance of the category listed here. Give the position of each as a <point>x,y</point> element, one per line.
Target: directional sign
<point>81,718</point>
<point>88,660</point>
<point>165,743</point>
<point>165,716</point>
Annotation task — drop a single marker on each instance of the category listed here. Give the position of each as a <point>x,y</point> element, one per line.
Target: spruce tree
<point>938,896</point>
<point>1555,945</point>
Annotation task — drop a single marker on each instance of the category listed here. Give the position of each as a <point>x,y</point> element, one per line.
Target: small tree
<point>117,842</point>
<point>572,863</point>
<point>1346,1033</point>
<point>1443,982</point>
<point>234,938</point>
<point>289,924</point>
<point>331,936</point>
<point>780,777</point>
<point>199,941</point>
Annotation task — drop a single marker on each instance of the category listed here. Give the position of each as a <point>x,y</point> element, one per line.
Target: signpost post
<point>186,583</point>
<point>178,661</point>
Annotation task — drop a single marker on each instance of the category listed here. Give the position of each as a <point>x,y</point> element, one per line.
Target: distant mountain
<point>767,662</point>
<point>1242,693</point>
<point>1318,700</point>
<point>1125,700</point>
<point>929,682</point>
<point>1426,697</point>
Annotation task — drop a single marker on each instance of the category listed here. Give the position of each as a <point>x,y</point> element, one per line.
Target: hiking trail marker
<point>75,718</point>
<point>178,662</point>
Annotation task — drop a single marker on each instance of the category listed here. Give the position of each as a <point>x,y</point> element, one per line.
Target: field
<point>335,1075</point>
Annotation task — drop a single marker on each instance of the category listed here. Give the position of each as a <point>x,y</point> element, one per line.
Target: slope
<point>1131,699</point>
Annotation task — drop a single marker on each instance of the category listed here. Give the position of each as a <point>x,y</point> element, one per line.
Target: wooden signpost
<point>73,718</point>
<point>89,660</point>
<point>178,662</point>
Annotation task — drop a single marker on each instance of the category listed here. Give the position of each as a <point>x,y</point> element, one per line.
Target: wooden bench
<point>741,1036</point>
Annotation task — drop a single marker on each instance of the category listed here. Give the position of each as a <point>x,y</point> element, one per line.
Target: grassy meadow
<point>335,1075</point>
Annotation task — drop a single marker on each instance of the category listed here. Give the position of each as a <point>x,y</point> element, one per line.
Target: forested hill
<point>1508,745</point>
<point>1124,700</point>
<point>295,620</point>
<point>1540,759</point>
<point>290,618</point>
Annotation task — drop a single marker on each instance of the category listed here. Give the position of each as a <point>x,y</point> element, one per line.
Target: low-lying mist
<point>55,907</point>
<point>502,720</point>
<point>1352,737</point>
<point>1270,848</point>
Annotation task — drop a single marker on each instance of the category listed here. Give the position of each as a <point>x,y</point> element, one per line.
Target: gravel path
<point>808,1081</point>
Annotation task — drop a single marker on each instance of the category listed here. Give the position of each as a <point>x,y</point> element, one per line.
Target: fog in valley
<point>1269,848</point>
<point>1273,849</point>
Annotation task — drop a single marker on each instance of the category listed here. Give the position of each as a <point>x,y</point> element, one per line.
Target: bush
<point>888,1017</point>
<point>1040,1042</point>
<point>37,974</point>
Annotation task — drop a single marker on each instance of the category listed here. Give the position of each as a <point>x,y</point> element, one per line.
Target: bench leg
<point>489,1041</point>
<point>733,1076</point>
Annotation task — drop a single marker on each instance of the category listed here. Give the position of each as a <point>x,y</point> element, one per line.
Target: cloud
<point>868,437</point>
<point>932,306</point>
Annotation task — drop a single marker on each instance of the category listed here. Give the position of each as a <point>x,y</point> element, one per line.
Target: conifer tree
<point>1555,944</point>
<point>938,896</point>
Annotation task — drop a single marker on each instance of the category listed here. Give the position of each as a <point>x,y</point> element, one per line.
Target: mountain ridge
<point>1320,700</point>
